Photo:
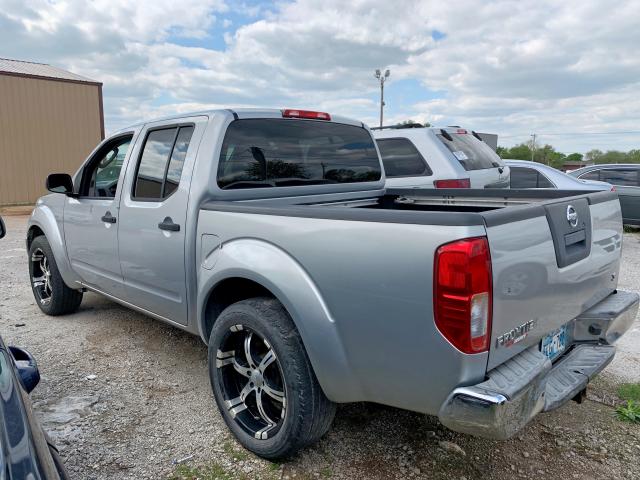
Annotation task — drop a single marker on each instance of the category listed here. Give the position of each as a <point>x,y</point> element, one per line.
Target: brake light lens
<point>453,183</point>
<point>613,188</point>
<point>462,301</point>
<point>291,113</point>
<point>461,131</point>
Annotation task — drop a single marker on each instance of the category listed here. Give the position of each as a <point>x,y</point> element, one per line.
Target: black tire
<point>57,461</point>
<point>55,298</point>
<point>308,413</point>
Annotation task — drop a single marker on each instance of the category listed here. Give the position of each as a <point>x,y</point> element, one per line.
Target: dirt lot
<point>125,396</point>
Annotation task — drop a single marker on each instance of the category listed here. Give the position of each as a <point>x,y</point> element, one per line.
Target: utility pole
<point>382,79</point>
<point>533,146</point>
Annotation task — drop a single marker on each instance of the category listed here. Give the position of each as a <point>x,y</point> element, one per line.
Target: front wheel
<point>263,382</point>
<point>51,293</point>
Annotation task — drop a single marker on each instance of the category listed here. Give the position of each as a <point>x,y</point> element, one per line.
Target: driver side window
<point>102,175</point>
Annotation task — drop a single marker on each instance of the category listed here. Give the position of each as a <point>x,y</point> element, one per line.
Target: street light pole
<point>382,79</point>
<point>533,146</point>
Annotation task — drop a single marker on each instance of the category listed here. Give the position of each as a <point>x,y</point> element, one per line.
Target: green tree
<point>502,151</point>
<point>634,156</point>
<point>593,155</point>
<point>411,123</point>
<point>548,155</point>
<point>613,156</point>
<point>574,157</point>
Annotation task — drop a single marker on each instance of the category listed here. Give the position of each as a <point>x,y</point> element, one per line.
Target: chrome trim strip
<point>494,398</point>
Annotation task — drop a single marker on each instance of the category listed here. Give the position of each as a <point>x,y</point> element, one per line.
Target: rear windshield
<point>259,153</point>
<point>473,154</point>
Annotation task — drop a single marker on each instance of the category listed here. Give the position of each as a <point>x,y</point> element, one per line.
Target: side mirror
<point>27,368</point>
<point>3,229</point>
<point>60,183</point>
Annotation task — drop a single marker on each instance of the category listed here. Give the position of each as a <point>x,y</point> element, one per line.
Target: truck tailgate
<point>551,261</point>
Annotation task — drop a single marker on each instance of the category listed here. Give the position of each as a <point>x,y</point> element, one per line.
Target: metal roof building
<point>50,120</point>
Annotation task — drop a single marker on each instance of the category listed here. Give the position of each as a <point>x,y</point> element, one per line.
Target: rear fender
<point>286,279</point>
<point>43,218</point>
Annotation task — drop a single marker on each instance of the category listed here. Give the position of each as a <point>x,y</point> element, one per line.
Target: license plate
<point>555,343</point>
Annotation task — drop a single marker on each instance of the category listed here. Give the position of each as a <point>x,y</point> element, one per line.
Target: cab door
<point>153,218</point>
<point>91,218</point>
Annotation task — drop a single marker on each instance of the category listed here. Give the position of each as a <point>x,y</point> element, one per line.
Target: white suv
<point>428,157</point>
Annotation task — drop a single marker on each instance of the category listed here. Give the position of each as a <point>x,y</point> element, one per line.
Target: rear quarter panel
<point>374,339</point>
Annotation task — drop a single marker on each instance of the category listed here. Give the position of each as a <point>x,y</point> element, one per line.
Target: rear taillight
<point>613,188</point>
<point>462,298</point>
<point>291,113</point>
<point>453,183</point>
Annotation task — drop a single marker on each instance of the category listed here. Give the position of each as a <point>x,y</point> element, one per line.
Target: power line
<point>627,132</point>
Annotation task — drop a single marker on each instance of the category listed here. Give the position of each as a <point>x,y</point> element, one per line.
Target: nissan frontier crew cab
<point>269,234</point>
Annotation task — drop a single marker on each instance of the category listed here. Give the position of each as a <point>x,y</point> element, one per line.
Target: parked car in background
<point>626,178</point>
<point>271,235</point>
<point>525,174</point>
<point>25,450</point>
<point>428,157</point>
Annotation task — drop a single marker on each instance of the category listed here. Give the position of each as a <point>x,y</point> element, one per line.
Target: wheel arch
<point>33,232</point>
<point>248,268</point>
<point>43,222</point>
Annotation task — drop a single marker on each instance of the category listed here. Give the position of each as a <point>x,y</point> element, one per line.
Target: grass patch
<point>326,472</point>
<point>212,472</point>
<point>630,229</point>
<point>237,455</point>
<point>629,412</point>
<point>629,391</point>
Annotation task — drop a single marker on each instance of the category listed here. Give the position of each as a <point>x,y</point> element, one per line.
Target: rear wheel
<point>51,294</point>
<point>263,382</point>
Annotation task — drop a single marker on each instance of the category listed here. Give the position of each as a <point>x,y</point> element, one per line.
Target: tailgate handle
<point>575,237</point>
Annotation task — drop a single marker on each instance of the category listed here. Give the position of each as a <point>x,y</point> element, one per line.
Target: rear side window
<point>592,175</point>
<point>620,176</point>
<point>258,153</point>
<point>161,163</point>
<point>401,158</point>
<point>522,177</point>
<point>473,154</point>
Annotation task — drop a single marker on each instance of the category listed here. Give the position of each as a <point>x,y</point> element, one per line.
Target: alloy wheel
<point>41,276</point>
<point>250,378</point>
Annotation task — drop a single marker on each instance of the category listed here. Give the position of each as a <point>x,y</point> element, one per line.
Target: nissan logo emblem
<point>572,216</point>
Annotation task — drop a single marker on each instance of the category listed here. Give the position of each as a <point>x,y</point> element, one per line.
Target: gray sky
<point>508,67</point>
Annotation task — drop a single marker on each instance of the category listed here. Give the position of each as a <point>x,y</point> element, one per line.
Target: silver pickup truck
<point>270,235</point>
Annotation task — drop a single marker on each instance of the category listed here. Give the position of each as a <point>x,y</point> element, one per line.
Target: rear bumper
<point>529,383</point>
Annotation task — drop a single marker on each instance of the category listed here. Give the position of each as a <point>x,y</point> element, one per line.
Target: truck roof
<point>242,113</point>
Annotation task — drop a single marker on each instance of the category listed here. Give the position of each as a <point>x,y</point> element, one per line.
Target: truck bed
<point>417,206</point>
<point>545,272</point>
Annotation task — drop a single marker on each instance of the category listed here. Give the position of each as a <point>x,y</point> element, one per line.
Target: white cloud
<point>507,66</point>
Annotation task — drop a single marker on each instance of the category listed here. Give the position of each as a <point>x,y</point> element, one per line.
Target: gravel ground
<point>125,397</point>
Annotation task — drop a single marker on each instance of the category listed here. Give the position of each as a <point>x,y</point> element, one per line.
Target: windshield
<point>473,154</point>
<point>258,153</point>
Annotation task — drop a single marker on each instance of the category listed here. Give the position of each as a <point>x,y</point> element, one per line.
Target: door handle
<point>167,224</point>
<point>108,218</point>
